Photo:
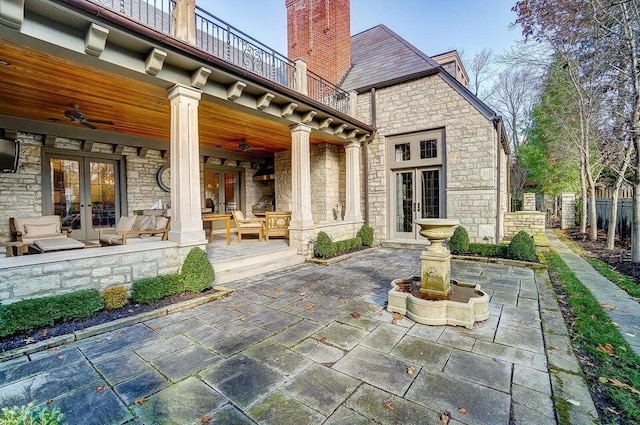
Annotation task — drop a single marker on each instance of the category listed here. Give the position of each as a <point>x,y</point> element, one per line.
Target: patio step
<point>405,243</point>
<point>252,265</point>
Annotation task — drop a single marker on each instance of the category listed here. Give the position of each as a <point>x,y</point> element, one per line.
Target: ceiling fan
<point>78,117</point>
<point>244,147</point>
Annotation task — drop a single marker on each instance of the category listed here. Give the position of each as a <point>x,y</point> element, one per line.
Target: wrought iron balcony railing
<point>216,37</point>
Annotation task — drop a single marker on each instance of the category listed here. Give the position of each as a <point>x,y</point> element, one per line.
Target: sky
<point>433,26</point>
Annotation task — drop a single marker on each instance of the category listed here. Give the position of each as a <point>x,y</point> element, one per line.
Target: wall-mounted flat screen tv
<point>9,153</point>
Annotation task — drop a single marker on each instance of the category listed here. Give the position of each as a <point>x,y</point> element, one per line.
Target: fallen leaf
<point>462,410</point>
<point>29,340</point>
<point>60,356</point>
<point>45,332</point>
<point>155,328</point>
<point>607,348</point>
<point>100,388</point>
<point>302,294</point>
<point>411,369</point>
<point>275,290</point>
<point>398,317</point>
<point>355,314</point>
<point>622,385</point>
<point>388,405</point>
<point>322,341</point>
<point>445,417</point>
<point>574,402</point>
<point>499,361</point>
<point>394,322</point>
<point>607,307</point>
<point>205,419</point>
<point>308,307</point>
<point>53,349</point>
<point>603,379</point>
<point>551,347</point>
<point>49,401</point>
<point>141,400</point>
<point>119,335</point>
<point>631,335</point>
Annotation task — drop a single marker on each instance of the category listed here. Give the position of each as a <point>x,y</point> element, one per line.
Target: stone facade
<point>529,202</point>
<point>568,213</point>
<point>472,153</point>
<point>58,273</point>
<point>532,222</point>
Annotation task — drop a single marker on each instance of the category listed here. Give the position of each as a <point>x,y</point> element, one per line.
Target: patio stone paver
<point>281,358</point>
<point>242,379</point>
<point>420,352</point>
<point>185,362</point>
<point>384,337</point>
<point>381,370</point>
<point>445,392</point>
<point>286,348</point>
<point>121,368</point>
<point>182,403</point>
<point>321,388</point>
<point>318,352</point>
<point>279,408</point>
<point>140,386</point>
<point>389,409</point>
<point>480,369</point>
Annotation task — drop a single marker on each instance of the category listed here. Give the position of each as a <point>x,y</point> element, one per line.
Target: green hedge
<point>459,242</point>
<point>325,247</point>
<point>150,289</point>
<point>488,250</point>
<point>522,247</point>
<point>47,311</point>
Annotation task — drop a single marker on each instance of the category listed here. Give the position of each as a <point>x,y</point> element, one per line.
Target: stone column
<point>183,21</point>
<point>301,216</point>
<point>529,202</point>
<point>186,214</point>
<point>300,77</point>
<point>568,213</point>
<point>352,212</point>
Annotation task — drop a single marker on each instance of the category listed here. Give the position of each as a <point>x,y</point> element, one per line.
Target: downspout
<point>497,122</point>
<point>365,160</point>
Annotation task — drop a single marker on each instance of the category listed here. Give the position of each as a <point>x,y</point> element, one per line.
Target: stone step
<point>249,266</point>
<point>405,244</point>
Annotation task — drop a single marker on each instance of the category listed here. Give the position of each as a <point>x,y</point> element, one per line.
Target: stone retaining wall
<point>532,222</point>
<point>34,276</point>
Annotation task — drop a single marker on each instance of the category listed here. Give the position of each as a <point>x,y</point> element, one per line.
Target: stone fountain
<point>433,298</point>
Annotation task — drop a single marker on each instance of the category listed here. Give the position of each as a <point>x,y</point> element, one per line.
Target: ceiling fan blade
<point>88,124</point>
<point>102,122</point>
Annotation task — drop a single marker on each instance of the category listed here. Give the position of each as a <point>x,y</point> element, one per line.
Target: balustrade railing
<point>228,43</point>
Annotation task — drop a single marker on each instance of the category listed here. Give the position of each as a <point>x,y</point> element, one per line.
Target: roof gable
<point>379,55</point>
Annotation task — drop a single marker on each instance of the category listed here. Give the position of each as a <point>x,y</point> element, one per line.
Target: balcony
<point>231,45</point>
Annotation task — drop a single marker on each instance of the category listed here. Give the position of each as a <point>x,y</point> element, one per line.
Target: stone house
<point>438,151</point>
<point>104,97</point>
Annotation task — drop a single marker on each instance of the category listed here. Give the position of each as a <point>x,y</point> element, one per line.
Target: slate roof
<point>379,55</point>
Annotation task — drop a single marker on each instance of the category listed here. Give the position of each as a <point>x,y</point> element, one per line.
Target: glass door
<point>416,195</point>
<point>221,190</point>
<point>84,193</point>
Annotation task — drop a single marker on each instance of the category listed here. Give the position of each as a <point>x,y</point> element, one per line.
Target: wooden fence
<point>625,215</point>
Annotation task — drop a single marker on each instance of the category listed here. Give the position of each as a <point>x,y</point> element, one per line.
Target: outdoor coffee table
<point>20,248</point>
<point>59,244</point>
<point>218,217</point>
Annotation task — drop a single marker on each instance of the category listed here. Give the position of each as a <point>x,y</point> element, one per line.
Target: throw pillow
<point>125,224</point>
<point>35,230</point>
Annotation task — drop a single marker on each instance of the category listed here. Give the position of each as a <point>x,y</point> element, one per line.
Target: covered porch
<point>114,112</point>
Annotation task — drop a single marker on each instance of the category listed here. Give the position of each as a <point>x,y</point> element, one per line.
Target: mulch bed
<point>618,258</point>
<point>103,316</point>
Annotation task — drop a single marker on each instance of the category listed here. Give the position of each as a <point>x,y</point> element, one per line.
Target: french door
<point>416,193</point>
<point>84,192</point>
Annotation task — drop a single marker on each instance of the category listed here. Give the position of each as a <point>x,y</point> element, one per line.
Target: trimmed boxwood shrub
<point>150,289</point>
<point>366,234</point>
<point>114,297</point>
<point>47,311</point>
<point>522,247</point>
<point>324,247</point>
<point>197,271</point>
<point>30,415</point>
<point>459,242</point>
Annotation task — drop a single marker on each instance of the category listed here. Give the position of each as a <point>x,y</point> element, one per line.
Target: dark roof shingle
<point>379,55</point>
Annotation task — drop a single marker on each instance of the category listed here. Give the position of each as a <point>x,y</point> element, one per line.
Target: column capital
<point>300,127</point>
<point>352,144</point>
<point>182,90</point>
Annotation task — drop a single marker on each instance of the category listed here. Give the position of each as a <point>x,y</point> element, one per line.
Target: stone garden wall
<point>532,222</point>
<point>33,276</point>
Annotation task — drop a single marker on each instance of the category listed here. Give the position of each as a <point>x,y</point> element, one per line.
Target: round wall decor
<point>164,178</point>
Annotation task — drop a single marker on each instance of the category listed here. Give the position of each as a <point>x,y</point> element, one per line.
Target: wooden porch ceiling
<point>39,86</point>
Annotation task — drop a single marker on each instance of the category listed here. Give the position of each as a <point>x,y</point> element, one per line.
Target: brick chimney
<point>319,31</point>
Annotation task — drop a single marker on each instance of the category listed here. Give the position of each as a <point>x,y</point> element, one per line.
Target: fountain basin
<point>465,305</point>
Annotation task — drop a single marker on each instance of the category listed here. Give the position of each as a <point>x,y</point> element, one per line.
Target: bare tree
<point>481,68</point>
